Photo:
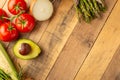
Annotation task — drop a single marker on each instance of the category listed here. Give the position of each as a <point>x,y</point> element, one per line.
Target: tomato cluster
<point>20,22</point>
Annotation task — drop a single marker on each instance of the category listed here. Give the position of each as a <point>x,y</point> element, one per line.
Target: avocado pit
<point>25,49</point>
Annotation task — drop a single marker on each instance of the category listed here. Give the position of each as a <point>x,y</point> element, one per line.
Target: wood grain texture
<point>70,47</point>
<point>113,70</point>
<point>2,3</point>
<point>103,49</point>
<point>78,46</point>
<point>52,40</point>
<point>56,36</point>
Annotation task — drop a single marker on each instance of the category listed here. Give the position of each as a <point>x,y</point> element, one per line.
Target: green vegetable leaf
<point>7,69</point>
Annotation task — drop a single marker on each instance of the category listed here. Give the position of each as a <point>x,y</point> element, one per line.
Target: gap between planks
<point>112,72</point>
<point>87,71</point>
<point>96,38</point>
<point>61,76</point>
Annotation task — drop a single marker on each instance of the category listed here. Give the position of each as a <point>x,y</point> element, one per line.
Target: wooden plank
<point>52,41</point>
<point>36,35</point>
<point>113,70</point>
<point>5,8</point>
<point>77,47</point>
<point>103,49</point>
<point>56,36</point>
<point>2,3</point>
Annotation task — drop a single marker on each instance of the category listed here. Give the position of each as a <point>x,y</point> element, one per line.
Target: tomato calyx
<point>17,7</point>
<point>22,22</point>
<point>10,27</point>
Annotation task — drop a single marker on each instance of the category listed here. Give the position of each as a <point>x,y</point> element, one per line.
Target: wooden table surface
<point>73,50</point>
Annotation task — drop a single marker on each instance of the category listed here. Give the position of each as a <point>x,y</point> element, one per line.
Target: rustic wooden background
<point>73,50</point>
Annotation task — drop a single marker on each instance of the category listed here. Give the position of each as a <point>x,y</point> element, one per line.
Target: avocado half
<point>35,49</point>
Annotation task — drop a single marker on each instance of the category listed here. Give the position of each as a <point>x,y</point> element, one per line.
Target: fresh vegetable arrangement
<point>9,30</point>
<point>7,69</point>
<point>19,16</point>
<point>16,17</point>
<point>89,9</point>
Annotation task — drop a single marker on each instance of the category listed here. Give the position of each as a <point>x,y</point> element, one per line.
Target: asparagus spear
<point>96,5</point>
<point>89,9</point>
<point>7,67</point>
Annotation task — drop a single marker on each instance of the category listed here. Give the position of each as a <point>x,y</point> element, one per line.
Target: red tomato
<point>8,32</point>
<point>2,15</point>
<point>25,23</point>
<point>15,6</point>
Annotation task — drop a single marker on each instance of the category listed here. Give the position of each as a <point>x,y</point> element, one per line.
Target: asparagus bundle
<point>89,9</point>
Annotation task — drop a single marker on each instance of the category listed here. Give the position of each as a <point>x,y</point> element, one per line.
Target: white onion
<point>42,9</point>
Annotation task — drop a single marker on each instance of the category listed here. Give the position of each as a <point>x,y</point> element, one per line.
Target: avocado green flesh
<point>6,64</point>
<point>35,49</point>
